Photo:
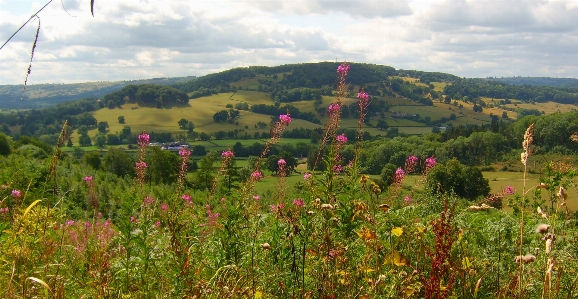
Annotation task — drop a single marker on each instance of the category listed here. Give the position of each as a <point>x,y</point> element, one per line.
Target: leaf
<point>40,281</point>
<point>92,7</point>
<point>466,263</point>
<point>397,231</point>
<point>396,258</point>
<point>30,207</point>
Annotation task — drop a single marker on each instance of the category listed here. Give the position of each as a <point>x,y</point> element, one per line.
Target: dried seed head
<point>326,206</point>
<point>542,228</point>
<point>528,258</point>
<point>541,213</point>
<point>562,193</point>
<point>528,138</point>
<point>574,137</point>
<point>549,244</point>
<point>310,213</point>
<point>266,246</point>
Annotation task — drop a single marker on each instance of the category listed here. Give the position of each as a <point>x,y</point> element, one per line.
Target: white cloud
<point>141,39</point>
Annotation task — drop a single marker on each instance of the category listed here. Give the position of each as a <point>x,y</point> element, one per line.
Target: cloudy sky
<point>138,39</point>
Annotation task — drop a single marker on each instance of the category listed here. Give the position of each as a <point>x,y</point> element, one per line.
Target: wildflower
<point>399,175</point>
<point>257,175</point>
<point>4,210</point>
<point>256,197</point>
<point>341,139</point>
<point>306,176</point>
<point>88,179</point>
<point>542,228</point>
<point>149,200</point>
<point>223,200</point>
<point>187,198</point>
<point>158,223</point>
<point>407,199</point>
<point>184,152</point>
<point>141,165</point>
<point>343,69</point>
<point>87,224</point>
<point>337,168</point>
<point>281,162</point>
<point>70,222</point>
<point>285,119</point>
<point>132,218</point>
<point>16,193</point>
<point>143,139</point>
<point>509,190</point>
<point>227,154</point>
<point>411,163</point>
<point>363,96</point>
<point>298,202</point>
<point>333,108</point>
<point>430,162</point>
<point>164,206</point>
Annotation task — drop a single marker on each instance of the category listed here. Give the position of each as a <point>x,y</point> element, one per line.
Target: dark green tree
<point>118,162</point>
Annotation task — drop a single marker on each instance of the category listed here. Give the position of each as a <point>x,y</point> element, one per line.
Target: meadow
<point>71,231</point>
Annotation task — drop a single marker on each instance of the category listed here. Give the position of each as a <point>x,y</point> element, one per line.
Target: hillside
<point>47,95</point>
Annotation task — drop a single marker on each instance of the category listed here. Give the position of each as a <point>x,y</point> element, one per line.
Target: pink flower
<point>184,152</point>
<point>70,222</point>
<point>16,193</point>
<point>343,68</point>
<point>141,165</point>
<point>144,139</point>
<point>411,163</point>
<point>256,197</point>
<point>298,202</point>
<point>257,175</point>
<point>341,139</point>
<point>132,218</point>
<point>337,168</point>
<point>4,210</point>
<point>430,162</point>
<point>509,190</point>
<point>164,206</point>
<point>284,118</point>
<point>187,198</point>
<point>87,224</point>
<point>227,154</point>
<point>333,108</point>
<point>281,162</point>
<point>88,178</point>
<point>407,199</point>
<point>223,200</point>
<point>306,176</point>
<point>158,223</point>
<point>363,96</point>
<point>399,175</point>
<point>149,200</point>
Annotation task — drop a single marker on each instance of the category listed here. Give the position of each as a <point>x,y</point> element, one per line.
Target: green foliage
<point>118,162</point>
<point>454,177</point>
<point>5,147</point>
<point>92,159</point>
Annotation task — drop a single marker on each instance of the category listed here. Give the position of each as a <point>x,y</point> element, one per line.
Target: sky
<point>140,39</point>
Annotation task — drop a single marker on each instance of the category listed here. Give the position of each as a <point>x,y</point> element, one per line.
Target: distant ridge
<point>537,81</point>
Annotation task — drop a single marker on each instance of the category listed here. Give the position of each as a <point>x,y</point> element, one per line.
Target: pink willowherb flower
<point>149,200</point>
<point>411,163</point>
<point>399,175</point>
<point>343,68</point>
<point>257,175</point>
<point>510,190</point>
<point>363,96</point>
<point>306,176</point>
<point>298,202</point>
<point>341,139</point>
<point>337,168</point>
<point>430,162</point>
<point>407,199</point>
<point>187,198</point>
<point>143,139</point>
<point>281,162</point>
<point>285,118</point>
<point>184,152</point>
<point>256,197</point>
<point>88,178</point>
<point>227,154</point>
<point>141,165</point>
<point>164,206</point>
<point>158,223</point>
<point>16,193</point>
<point>333,108</point>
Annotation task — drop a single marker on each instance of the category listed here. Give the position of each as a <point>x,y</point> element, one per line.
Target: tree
<point>84,140</point>
<point>102,126</point>
<point>100,140</point>
<point>82,130</point>
<point>118,162</point>
<point>182,123</point>
<point>5,148</point>
<point>454,177</point>
<point>163,166</point>
<point>121,120</point>
<point>92,159</point>
<point>221,116</point>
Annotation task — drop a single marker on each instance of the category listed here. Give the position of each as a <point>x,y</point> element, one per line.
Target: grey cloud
<point>357,8</point>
